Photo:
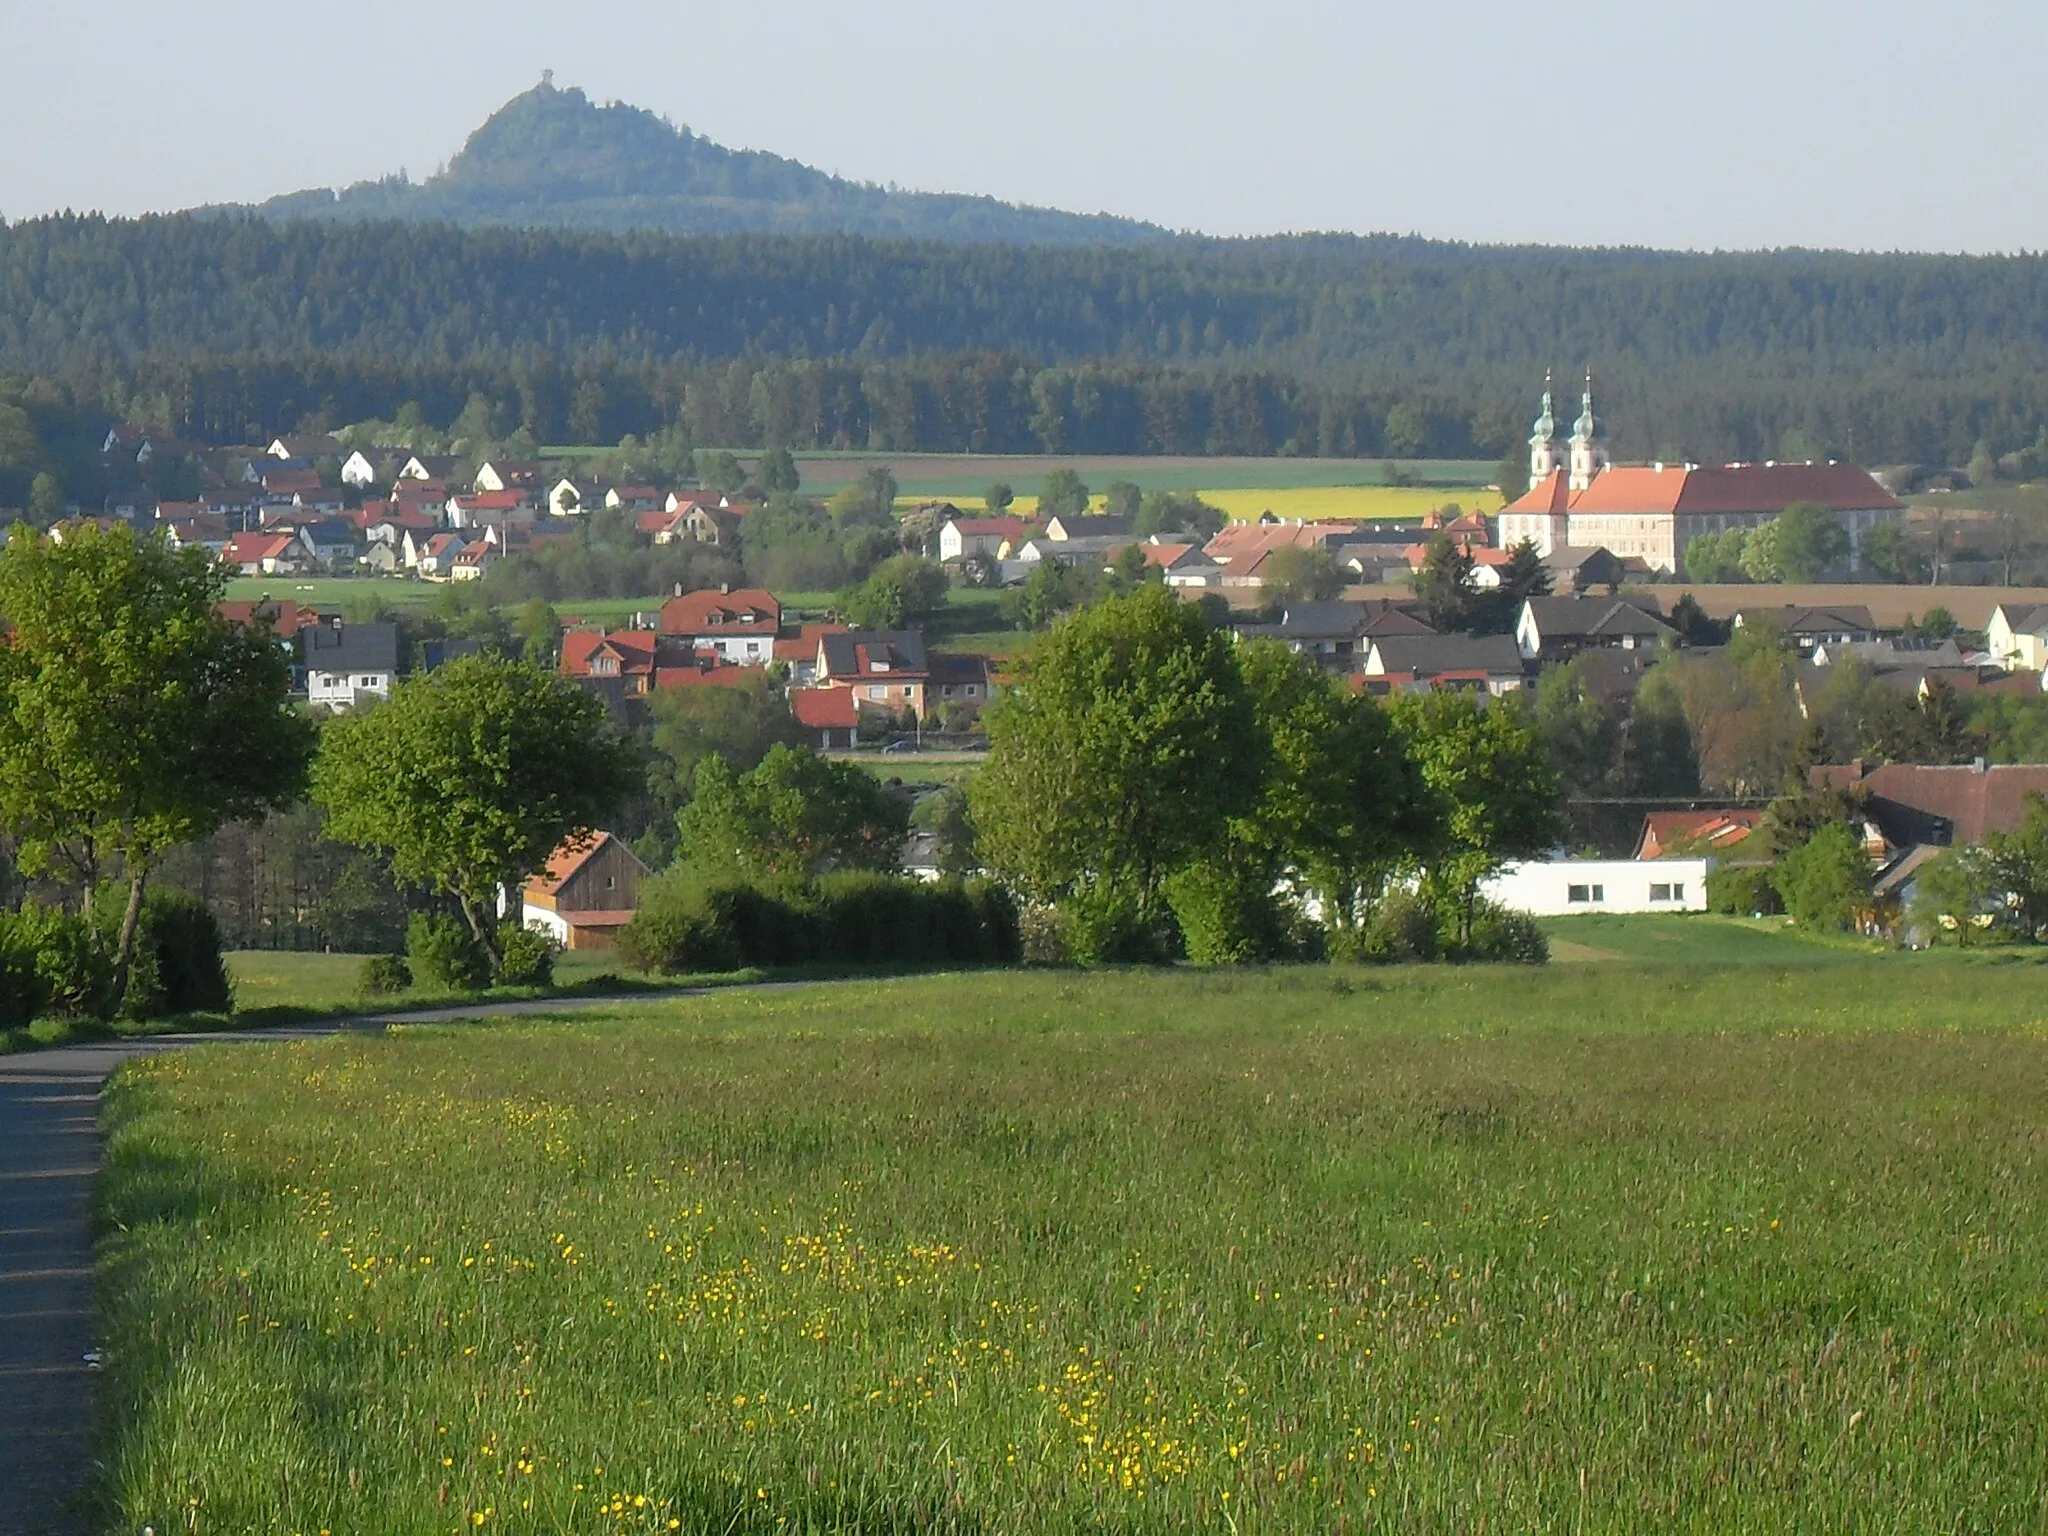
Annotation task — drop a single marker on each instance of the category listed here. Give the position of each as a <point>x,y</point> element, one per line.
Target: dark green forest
<point>231,328</point>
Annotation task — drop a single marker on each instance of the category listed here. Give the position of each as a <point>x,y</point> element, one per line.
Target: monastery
<point>1577,500</point>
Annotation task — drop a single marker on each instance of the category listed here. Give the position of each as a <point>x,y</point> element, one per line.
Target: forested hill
<point>552,158</point>
<point>1882,358</point>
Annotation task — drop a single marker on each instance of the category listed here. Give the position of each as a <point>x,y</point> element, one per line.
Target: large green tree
<point>1127,742</point>
<point>469,776</point>
<point>1492,791</point>
<point>133,716</point>
<point>793,814</point>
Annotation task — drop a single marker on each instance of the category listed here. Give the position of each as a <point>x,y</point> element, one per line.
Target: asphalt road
<point>49,1156</point>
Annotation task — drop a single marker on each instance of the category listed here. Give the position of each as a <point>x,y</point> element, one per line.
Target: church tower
<point>1543,446</point>
<point>1588,444</point>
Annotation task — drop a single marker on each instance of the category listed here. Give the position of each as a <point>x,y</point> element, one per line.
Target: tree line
<point>1294,344</point>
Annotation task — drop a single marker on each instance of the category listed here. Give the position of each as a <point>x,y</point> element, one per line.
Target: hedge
<point>687,924</point>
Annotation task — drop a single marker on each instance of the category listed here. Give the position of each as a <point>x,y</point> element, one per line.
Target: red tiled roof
<point>492,501</point>
<point>1729,488</point>
<point>634,648</point>
<point>825,709</point>
<point>566,860</point>
<point>1164,554</point>
<point>1707,831</point>
<point>749,611</point>
<point>249,548</point>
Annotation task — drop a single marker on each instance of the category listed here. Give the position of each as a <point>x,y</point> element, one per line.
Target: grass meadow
<point>1604,1247</point>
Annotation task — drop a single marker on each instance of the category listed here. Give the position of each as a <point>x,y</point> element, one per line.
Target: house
<point>958,679</point>
<point>1243,544</point>
<point>392,527</point>
<point>1575,497</point>
<point>2017,636</point>
<point>331,542</point>
<point>1489,664</point>
<point>1557,628</point>
<point>307,448</point>
<point>1099,526</point>
<point>833,713</point>
<point>587,893</point>
<point>284,484</point>
<point>284,620</point>
<point>434,557</point>
<point>207,530</point>
<point>1335,634</point>
<point>428,466</point>
<point>1576,570</point>
<point>505,475</point>
<point>474,562</point>
<point>327,500</point>
<point>703,522</point>
<point>1715,834</point>
<point>702,669</point>
<point>799,652</point>
<point>740,626</point>
<point>963,537</point>
<point>264,554</point>
<point>1565,887</point>
<point>473,511</point>
<point>348,663</point>
<point>885,669</point>
<point>1809,627</point>
<point>1938,805</point>
<point>358,470</point>
<point>634,498</point>
<point>572,495</point>
<point>621,657</point>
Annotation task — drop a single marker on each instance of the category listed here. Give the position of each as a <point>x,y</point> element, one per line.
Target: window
<point>1575,893</point>
<point>1660,893</point>
<point>1678,893</point>
<point>1599,893</point>
<point>878,692</point>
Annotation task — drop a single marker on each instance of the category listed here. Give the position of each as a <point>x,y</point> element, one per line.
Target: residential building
<point>634,498</point>
<point>346,664</point>
<point>501,475</point>
<point>1701,834</point>
<point>358,469</point>
<point>886,669</point>
<point>306,448</point>
<point>832,714</point>
<point>429,466</point>
<point>264,554</point>
<point>1335,635</point>
<point>624,658</point>
<point>2017,636</point>
<point>990,537</point>
<point>1848,624</point>
<point>1100,525</point>
<point>1565,887</point>
<point>1938,805</point>
<point>588,892</point>
<point>434,557</point>
<point>1575,497</point>
<point>474,562</point>
<point>1488,664</point>
<point>740,626</point>
<point>1557,628</point>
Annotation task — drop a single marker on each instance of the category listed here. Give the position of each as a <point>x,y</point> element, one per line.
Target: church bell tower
<point>1544,455</point>
<point>1589,442</point>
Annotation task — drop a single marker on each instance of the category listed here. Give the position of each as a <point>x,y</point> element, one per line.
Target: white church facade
<point>1578,499</point>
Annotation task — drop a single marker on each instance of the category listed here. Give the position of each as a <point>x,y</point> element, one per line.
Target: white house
<point>1564,887</point>
<point>2017,636</point>
<point>357,470</point>
<point>348,663</point>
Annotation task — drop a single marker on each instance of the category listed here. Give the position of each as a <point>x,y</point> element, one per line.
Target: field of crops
<point>1607,1247</point>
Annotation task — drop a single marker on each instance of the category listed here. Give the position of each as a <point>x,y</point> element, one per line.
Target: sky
<point>1864,124</point>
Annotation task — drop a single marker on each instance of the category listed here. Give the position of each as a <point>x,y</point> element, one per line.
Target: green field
<point>1607,1247</point>
<point>925,476</point>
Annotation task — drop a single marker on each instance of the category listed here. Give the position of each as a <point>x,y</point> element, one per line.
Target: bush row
<point>686,923</point>
<point>54,962</point>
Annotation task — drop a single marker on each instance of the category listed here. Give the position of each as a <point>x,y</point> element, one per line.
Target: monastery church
<point>1578,500</point>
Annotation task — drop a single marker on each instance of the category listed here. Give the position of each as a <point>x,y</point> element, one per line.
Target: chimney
<point>725,589</point>
<point>1976,765</point>
<point>679,589</point>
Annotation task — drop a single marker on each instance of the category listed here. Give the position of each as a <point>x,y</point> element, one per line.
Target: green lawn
<point>1700,939</point>
<point>1594,1248</point>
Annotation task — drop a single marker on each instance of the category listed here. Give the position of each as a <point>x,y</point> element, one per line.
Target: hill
<point>551,157</point>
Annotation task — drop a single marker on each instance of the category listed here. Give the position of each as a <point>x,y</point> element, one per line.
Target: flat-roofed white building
<point>1562,887</point>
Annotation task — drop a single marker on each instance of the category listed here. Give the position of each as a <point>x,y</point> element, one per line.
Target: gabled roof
<point>862,655</point>
<point>825,709</point>
<point>2025,618</point>
<point>1100,525</point>
<point>958,667</point>
<point>1571,618</point>
<point>1243,543</point>
<point>249,548</point>
<point>991,527</point>
<point>634,649</point>
<point>1795,620</point>
<point>803,645</point>
<point>570,857</point>
<point>749,611</point>
<point>1694,831</point>
<point>708,671</point>
<point>1927,803</point>
<point>369,647</point>
<point>1436,655</point>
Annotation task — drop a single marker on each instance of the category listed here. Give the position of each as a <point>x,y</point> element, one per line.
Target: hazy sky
<point>1860,123</point>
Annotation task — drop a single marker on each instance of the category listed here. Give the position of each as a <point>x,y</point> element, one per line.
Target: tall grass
<point>1603,1248</point>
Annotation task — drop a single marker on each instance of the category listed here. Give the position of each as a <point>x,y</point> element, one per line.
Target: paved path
<point>49,1155</point>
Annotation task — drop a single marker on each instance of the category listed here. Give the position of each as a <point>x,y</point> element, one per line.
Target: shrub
<point>74,972</point>
<point>177,966</point>
<point>1403,928</point>
<point>1502,934</point>
<point>526,956</point>
<point>383,976</point>
<point>1827,882</point>
<point>23,993</point>
<point>1743,890</point>
<point>444,953</point>
<point>1227,917</point>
